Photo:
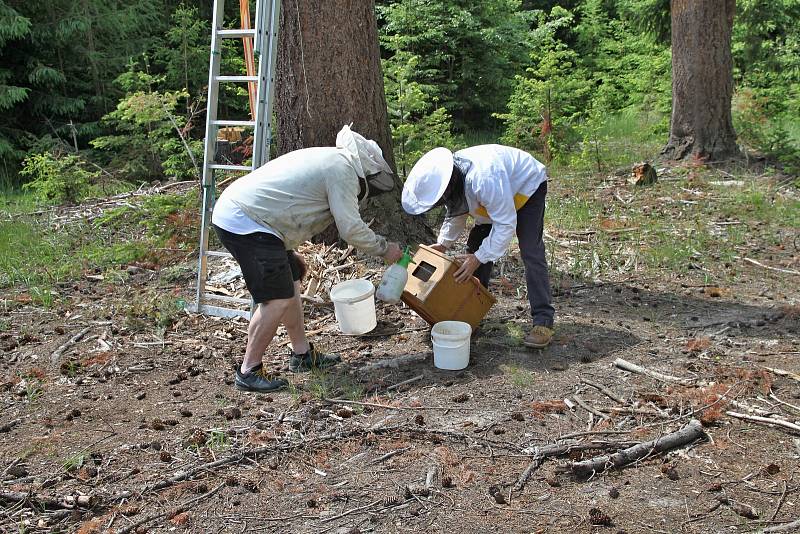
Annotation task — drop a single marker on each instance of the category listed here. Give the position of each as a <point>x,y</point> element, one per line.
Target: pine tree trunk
<point>702,81</point>
<point>329,74</point>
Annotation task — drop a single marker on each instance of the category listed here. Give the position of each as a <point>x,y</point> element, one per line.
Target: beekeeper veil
<point>365,155</point>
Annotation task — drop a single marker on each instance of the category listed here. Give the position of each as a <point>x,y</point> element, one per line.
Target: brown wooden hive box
<point>434,294</point>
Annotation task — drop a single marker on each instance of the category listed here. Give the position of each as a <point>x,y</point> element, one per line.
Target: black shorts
<point>269,270</point>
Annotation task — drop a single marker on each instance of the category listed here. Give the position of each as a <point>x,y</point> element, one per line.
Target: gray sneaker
<point>258,380</point>
<point>313,359</point>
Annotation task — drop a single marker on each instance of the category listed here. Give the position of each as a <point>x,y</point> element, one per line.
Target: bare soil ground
<point>136,427</point>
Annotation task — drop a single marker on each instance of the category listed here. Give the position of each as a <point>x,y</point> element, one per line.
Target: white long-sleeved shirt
<point>498,183</point>
<point>297,195</point>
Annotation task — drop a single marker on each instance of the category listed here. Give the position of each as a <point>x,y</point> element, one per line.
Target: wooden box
<point>434,294</point>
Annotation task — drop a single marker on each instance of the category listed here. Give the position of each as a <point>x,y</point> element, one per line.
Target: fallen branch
<point>633,368</point>
<point>586,406</point>
<point>69,502</point>
<point>351,511</point>
<point>604,390</point>
<point>540,454</point>
<point>783,372</point>
<point>787,404</point>
<point>179,510</point>
<point>405,382</point>
<point>680,438</point>
<point>591,433</point>
<point>776,269</point>
<point>780,502</point>
<point>71,341</point>
<point>786,527</point>
<point>767,420</point>
<point>389,455</point>
<point>237,457</point>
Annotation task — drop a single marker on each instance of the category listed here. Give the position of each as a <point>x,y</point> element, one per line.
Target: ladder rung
<point>234,123</point>
<point>225,298</point>
<point>236,78</point>
<point>220,167</point>
<point>218,254</point>
<point>236,34</point>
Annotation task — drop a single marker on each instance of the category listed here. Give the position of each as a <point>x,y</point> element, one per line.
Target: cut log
<point>688,434</point>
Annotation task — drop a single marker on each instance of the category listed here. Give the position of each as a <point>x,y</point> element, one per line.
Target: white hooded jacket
<point>300,193</point>
<point>499,181</point>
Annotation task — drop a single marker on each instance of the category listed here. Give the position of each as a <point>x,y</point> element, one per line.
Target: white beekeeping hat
<point>427,181</point>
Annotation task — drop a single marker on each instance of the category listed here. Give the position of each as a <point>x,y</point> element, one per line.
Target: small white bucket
<point>451,344</point>
<point>354,306</point>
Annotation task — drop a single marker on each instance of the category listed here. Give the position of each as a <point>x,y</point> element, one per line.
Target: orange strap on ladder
<point>249,56</point>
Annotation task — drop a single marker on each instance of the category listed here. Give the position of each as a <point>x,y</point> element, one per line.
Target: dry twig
<point>767,420</point>
<point>182,508</point>
<point>633,368</point>
<point>71,341</point>
<point>607,392</point>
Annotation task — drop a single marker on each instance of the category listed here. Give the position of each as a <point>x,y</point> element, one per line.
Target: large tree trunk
<point>702,81</point>
<point>329,74</point>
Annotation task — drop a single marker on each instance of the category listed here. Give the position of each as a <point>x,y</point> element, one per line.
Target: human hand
<point>438,248</point>
<point>393,253</point>
<point>301,262</point>
<point>469,262</point>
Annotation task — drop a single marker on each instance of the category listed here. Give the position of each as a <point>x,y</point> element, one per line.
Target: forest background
<point>100,96</point>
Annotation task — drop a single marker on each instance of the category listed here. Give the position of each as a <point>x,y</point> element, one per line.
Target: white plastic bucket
<point>354,306</point>
<point>451,344</point>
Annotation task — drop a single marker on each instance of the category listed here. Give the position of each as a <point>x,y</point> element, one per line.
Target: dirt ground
<point>143,429</point>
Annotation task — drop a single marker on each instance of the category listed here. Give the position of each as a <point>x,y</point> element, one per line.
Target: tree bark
<point>328,75</point>
<point>701,126</point>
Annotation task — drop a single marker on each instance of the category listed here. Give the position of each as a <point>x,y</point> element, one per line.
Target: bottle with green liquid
<point>394,279</point>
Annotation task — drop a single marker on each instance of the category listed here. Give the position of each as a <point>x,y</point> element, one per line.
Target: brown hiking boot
<point>539,337</point>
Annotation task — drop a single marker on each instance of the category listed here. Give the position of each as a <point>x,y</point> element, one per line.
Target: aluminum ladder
<point>265,35</point>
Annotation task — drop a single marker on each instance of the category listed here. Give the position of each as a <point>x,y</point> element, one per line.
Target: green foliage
<point>218,440</point>
<point>766,52</point>
<point>147,142</point>
<point>153,310</point>
<point>468,51</point>
<point>185,58</point>
<point>37,258</point>
<point>580,76</point>
<point>766,132</point>
<point>417,124</point>
<point>549,100</point>
<point>57,178</point>
<point>153,214</point>
<point>12,24</point>
<point>127,78</point>
<point>649,16</point>
<point>56,61</point>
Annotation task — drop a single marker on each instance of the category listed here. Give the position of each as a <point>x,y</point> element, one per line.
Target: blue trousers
<point>530,232</point>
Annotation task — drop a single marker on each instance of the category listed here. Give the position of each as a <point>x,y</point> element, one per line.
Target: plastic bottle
<point>394,279</point>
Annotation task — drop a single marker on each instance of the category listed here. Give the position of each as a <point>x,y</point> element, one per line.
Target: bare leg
<point>294,322</point>
<point>263,324</point>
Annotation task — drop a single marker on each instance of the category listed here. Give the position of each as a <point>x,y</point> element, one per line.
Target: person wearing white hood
<point>503,189</point>
<point>263,216</point>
